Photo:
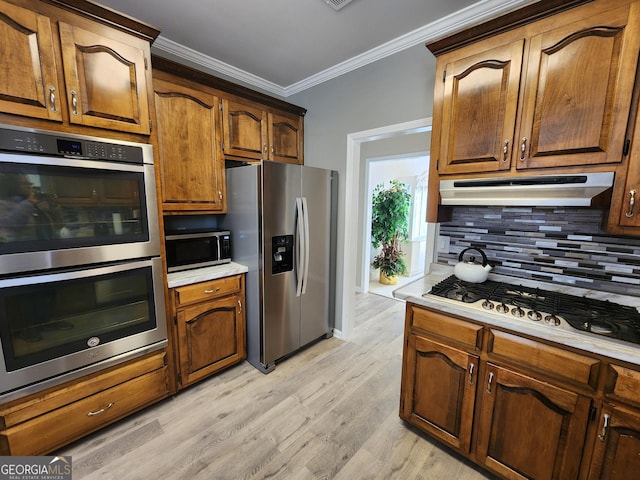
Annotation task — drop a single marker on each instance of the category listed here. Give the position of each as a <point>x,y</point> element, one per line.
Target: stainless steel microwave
<point>194,249</point>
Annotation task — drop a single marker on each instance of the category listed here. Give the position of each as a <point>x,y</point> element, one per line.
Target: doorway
<point>353,211</point>
<point>412,171</point>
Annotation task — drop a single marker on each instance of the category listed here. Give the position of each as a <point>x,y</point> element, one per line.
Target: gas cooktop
<point>553,309</point>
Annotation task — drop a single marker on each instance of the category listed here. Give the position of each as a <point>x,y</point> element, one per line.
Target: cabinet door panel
<point>530,429</point>
<point>191,172</point>
<point>616,454</point>
<point>245,130</point>
<point>211,336</point>
<point>479,110</point>
<point>439,397</point>
<point>106,81</point>
<point>578,92</point>
<point>285,138</point>
<point>26,53</point>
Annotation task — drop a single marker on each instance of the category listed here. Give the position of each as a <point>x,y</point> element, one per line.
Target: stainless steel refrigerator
<point>282,223</point>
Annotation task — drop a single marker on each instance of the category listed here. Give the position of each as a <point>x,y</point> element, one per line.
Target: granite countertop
<point>413,292</point>
<point>187,277</point>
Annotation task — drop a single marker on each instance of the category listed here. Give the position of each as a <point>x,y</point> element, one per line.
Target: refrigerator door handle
<point>305,275</point>
<point>300,244</point>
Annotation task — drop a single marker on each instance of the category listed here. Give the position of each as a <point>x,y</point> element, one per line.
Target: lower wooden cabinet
<point>440,389</point>
<point>42,422</point>
<point>211,332</point>
<point>530,429</point>
<point>521,408</point>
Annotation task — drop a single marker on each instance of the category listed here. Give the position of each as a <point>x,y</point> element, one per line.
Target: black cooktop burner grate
<point>600,317</point>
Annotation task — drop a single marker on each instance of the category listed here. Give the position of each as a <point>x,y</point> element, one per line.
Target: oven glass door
<point>44,207</point>
<point>60,212</point>
<point>62,321</point>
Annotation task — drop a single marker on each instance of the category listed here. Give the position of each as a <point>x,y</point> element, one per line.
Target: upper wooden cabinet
<point>27,55</point>
<point>286,135</point>
<point>105,81</point>
<point>62,67</point>
<point>191,166</point>
<point>552,99</point>
<point>245,130</point>
<point>251,131</point>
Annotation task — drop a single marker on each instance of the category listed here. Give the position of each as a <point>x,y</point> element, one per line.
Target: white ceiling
<point>286,46</point>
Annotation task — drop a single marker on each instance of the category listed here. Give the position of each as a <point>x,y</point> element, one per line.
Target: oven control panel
<point>75,146</point>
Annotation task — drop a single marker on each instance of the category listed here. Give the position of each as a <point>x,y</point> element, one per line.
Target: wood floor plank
<point>328,412</point>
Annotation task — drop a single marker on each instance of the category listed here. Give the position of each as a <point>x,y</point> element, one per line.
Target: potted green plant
<point>389,227</point>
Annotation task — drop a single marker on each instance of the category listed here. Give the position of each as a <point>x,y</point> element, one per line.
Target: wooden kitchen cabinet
<point>518,407</point>
<point>121,102</point>
<point>530,429</point>
<point>245,130</point>
<point>190,162</point>
<point>439,391</point>
<point>73,70</point>
<point>253,132</point>
<point>479,110</point>
<point>45,421</point>
<point>569,106</point>
<point>286,134</point>
<point>210,327</point>
<point>616,454</point>
<point>27,54</point>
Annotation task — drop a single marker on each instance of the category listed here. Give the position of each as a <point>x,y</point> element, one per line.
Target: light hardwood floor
<point>329,412</point>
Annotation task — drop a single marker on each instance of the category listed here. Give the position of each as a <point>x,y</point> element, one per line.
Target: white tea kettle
<point>470,271</point>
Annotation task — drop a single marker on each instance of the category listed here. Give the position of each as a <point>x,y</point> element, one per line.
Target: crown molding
<point>474,14</point>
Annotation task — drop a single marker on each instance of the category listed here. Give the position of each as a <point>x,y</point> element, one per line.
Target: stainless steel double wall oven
<point>81,284</point>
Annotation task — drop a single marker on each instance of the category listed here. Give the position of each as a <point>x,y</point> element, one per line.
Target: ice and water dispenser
<point>281,254</point>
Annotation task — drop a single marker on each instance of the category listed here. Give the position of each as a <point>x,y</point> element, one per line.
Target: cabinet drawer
<point>63,425</point>
<point>465,333</point>
<point>206,290</point>
<point>40,403</point>
<point>623,384</point>
<point>553,361</point>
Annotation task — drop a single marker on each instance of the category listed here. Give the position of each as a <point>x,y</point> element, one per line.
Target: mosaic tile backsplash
<point>560,245</point>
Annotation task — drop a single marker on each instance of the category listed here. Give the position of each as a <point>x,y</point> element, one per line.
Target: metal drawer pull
<point>240,305</point>
<point>605,425</point>
<point>52,99</point>
<point>212,291</point>
<point>489,384</point>
<point>632,202</point>
<point>471,368</point>
<point>102,410</point>
<point>505,150</point>
<point>523,148</point>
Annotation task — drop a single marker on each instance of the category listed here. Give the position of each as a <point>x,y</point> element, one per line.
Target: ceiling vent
<point>337,4</point>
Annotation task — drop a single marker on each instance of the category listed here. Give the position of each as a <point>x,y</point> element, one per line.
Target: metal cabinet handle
<point>102,410</point>
<point>265,148</point>
<point>220,194</point>
<point>212,291</point>
<point>240,305</point>
<point>505,151</point>
<point>632,202</point>
<point>605,425</point>
<point>471,369</point>
<point>489,383</point>
<point>52,99</point>
<point>523,148</point>
<point>74,101</point>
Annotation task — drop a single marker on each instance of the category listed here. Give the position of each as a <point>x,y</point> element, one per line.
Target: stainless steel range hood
<point>576,190</point>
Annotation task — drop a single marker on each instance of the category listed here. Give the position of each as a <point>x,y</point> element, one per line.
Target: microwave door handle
<point>305,276</point>
<point>299,270</point>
